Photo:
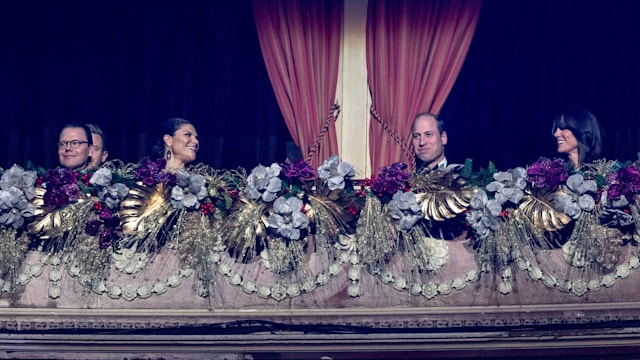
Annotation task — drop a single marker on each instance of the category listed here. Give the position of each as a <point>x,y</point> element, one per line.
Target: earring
<point>168,156</point>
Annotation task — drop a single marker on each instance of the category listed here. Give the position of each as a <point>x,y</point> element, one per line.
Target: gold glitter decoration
<point>541,211</point>
<point>285,256</point>
<point>244,228</point>
<point>220,182</point>
<point>635,213</point>
<point>442,194</point>
<point>331,220</point>
<point>13,249</point>
<point>375,235</point>
<point>119,168</point>
<point>494,252</point>
<point>92,261</point>
<point>593,245</point>
<point>195,244</point>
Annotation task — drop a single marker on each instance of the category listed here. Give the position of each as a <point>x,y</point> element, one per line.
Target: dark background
<point>128,65</point>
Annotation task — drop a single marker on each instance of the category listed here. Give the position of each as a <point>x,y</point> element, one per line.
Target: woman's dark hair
<point>167,127</point>
<point>587,130</point>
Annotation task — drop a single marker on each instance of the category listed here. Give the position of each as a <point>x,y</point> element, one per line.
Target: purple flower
<point>61,187</point>
<point>106,238</point>
<point>299,169</point>
<point>391,179</point>
<point>625,181</point>
<point>110,228</point>
<point>545,173</point>
<point>152,172</point>
<point>93,227</point>
<point>105,214</point>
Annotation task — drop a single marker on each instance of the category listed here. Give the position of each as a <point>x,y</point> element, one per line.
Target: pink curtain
<point>300,42</point>
<point>415,50</point>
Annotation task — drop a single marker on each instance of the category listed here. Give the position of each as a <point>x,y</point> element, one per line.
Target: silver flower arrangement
<point>263,182</point>
<point>288,219</point>
<point>577,196</point>
<point>17,189</point>
<point>335,172</point>
<point>509,186</point>
<point>404,208</point>
<point>484,213</point>
<point>189,190</point>
<point>111,195</point>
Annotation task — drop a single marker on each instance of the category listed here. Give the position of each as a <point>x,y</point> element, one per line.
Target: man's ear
<point>444,137</point>
<point>105,155</point>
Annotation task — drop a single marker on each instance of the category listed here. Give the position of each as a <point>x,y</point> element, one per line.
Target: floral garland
<point>277,216</point>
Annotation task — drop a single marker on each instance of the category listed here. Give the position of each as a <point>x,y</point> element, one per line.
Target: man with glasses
<point>75,147</point>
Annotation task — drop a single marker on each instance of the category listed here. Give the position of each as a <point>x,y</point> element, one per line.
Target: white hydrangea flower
<point>288,218</point>
<point>263,182</point>
<point>14,207</point>
<point>23,180</point>
<point>335,172</point>
<point>576,197</point>
<point>404,207</point>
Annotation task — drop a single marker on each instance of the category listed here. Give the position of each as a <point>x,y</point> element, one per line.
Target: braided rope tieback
<point>403,145</point>
<point>333,115</point>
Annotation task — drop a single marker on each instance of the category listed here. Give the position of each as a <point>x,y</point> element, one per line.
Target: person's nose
<point>557,133</point>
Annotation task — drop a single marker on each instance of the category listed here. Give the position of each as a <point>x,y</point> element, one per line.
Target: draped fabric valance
<point>300,42</point>
<point>415,50</point>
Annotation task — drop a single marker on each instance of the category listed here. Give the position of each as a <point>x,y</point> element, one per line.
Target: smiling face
<point>567,142</point>
<point>183,145</point>
<point>70,157</point>
<point>428,142</point>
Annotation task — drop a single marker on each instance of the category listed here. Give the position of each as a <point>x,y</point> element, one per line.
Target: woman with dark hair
<point>177,142</point>
<point>579,134</point>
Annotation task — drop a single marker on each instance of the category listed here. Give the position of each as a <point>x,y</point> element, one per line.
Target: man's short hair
<point>95,129</point>
<point>439,122</point>
<point>84,127</point>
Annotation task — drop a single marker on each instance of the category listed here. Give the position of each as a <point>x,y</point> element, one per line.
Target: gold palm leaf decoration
<point>143,214</point>
<point>540,211</point>
<point>442,194</point>
<point>51,223</point>
<point>330,212</point>
<point>46,220</point>
<point>330,218</point>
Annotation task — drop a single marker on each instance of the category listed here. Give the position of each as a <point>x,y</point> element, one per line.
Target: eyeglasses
<point>74,144</point>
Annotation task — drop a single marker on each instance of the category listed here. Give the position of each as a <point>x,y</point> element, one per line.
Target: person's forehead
<point>186,127</point>
<point>73,133</point>
<point>425,123</point>
<point>97,139</point>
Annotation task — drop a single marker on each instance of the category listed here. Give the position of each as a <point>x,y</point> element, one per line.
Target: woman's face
<point>567,142</point>
<point>183,144</point>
